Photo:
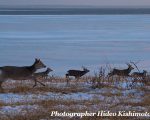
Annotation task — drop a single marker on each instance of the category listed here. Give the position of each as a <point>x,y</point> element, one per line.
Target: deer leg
<point>40,83</point>
<point>108,77</point>
<point>45,77</point>
<point>35,82</point>
<point>1,88</point>
<point>67,79</point>
<point>77,79</point>
<point>68,83</point>
<point>1,84</point>
<point>144,79</point>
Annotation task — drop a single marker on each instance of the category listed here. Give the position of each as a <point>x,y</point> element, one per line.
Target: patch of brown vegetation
<point>112,101</point>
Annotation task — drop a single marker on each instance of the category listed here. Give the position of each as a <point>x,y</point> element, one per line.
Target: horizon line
<point>73,11</point>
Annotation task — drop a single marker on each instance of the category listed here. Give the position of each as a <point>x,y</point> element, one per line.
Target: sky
<point>94,3</point>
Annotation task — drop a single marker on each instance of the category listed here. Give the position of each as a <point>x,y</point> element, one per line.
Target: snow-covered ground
<point>19,103</point>
<point>21,109</point>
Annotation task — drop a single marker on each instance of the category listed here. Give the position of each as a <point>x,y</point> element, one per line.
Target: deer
<point>44,74</point>
<point>20,73</point>
<point>124,72</point>
<point>139,74</point>
<point>76,73</point>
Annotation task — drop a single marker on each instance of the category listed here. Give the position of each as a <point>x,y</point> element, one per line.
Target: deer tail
<point>110,74</point>
<point>67,75</point>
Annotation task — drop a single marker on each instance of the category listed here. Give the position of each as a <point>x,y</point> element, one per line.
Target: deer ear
<point>83,67</point>
<point>37,59</point>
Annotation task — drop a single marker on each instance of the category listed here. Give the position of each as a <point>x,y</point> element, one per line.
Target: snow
<point>87,94</point>
<point>11,97</point>
<point>23,109</point>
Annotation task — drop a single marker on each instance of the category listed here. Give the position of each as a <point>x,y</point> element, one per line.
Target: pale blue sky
<point>101,3</point>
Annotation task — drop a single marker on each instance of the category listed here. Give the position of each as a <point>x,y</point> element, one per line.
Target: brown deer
<point>124,72</point>
<point>139,74</point>
<point>43,75</point>
<point>20,73</point>
<point>76,73</point>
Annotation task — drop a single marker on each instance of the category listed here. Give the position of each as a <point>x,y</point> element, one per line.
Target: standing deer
<point>20,73</point>
<point>76,73</point>
<point>43,75</point>
<point>124,72</point>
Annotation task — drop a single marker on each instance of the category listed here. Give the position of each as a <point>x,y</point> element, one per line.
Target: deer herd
<point>29,73</point>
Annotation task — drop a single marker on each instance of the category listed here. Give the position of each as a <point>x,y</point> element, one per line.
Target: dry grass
<point>98,85</point>
<point>48,88</point>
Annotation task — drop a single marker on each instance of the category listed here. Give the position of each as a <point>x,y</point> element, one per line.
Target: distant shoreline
<point>74,11</point>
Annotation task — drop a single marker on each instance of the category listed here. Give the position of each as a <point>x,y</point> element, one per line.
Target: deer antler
<point>128,64</point>
<point>135,64</point>
<point>84,67</point>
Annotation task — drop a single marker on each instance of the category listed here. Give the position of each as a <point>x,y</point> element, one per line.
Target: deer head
<point>49,69</point>
<point>39,64</point>
<point>85,69</point>
<point>130,66</point>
